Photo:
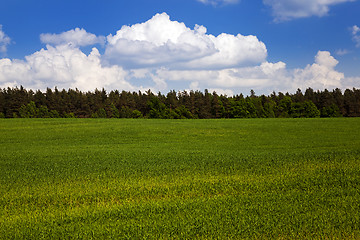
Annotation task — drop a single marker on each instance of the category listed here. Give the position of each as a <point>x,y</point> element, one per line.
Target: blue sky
<point>230,46</point>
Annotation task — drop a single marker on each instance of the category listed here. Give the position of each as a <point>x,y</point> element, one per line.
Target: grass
<point>180,179</point>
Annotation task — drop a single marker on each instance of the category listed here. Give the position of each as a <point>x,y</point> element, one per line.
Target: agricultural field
<point>180,179</point>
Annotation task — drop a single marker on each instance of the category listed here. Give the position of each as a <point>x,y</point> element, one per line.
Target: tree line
<point>22,103</point>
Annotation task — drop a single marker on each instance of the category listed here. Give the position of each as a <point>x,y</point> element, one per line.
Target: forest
<point>19,102</point>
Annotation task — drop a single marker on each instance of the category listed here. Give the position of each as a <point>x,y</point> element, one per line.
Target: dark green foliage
<point>157,108</point>
<point>54,114</point>
<point>183,112</point>
<point>18,102</point>
<point>136,114</point>
<point>125,112</point>
<point>330,111</point>
<point>28,111</point>
<point>101,113</point>
<point>31,111</point>
<point>285,107</point>
<point>305,109</point>
<point>69,115</point>
<point>114,112</point>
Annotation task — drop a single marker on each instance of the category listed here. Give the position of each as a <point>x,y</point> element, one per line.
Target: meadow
<point>180,179</point>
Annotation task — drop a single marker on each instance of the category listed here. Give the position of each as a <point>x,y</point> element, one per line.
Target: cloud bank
<point>162,55</point>
<point>284,10</point>
<point>63,66</point>
<point>266,77</point>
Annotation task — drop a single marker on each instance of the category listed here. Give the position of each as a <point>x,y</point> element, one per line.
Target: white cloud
<point>217,2</point>
<point>284,10</point>
<point>220,91</point>
<point>162,42</point>
<point>11,72</point>
<point>342,52</point>
<point>65,67</point>
<point>351,82</point>
<point>232,51</point>
<point>320,75</point>
<point>355,30</point>
<point>4,41</point>
<point>76,37</point>
<point>194,86</point>
<point>163,54</point>
<point>266,77</point>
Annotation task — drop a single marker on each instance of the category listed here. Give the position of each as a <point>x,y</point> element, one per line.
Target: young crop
<point>179,179</point>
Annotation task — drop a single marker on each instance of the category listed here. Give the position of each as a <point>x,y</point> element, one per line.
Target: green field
<point>180,179</point>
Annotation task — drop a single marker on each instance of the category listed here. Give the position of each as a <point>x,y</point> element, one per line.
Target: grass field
<point>180,179</point>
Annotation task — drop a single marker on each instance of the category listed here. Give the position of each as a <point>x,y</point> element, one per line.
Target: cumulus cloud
<point>76,37</point>
<point>355,30</point>
<point>63,66</point>
<point>160,54</point>
<point>284,10</point>
<point>320,75</point>
<point>4,41</point>
<point>265,77</point>
<point>162,42</point>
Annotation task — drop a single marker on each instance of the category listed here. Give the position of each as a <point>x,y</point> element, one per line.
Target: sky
<point>227,46</point>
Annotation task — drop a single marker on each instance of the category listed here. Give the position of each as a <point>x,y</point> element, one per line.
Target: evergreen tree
<point>285,107</point>
<point>114,112</point>
<point>28,111</point>
<point>310,110</point>
<point>18,102</point>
